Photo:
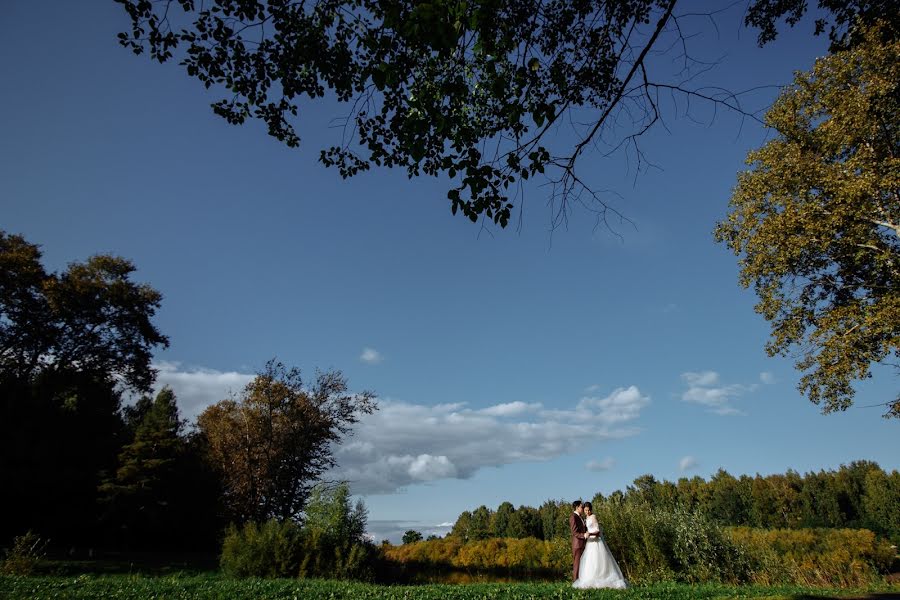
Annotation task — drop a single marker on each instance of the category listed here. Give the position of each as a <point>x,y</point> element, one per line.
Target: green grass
<point>220,587</point>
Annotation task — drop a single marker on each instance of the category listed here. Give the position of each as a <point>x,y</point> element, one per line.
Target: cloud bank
<point>197,388</point>
<point>404,444</point>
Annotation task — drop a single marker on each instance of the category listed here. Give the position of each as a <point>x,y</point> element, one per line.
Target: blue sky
<point>511,365</point>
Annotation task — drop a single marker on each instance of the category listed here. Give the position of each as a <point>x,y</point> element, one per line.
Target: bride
<point>597,569</point>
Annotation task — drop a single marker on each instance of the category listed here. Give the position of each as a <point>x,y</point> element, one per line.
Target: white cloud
<point>767,377</point>
<point>701,379</point>
<point>403,444</point>
<point>687,463</point>
<point>600,465</point>
<point>371,356</point>
<point>704,388</point>
<point>510,409</point>
<point>197,388</point>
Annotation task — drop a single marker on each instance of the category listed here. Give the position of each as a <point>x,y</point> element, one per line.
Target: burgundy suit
<point>579,540</point>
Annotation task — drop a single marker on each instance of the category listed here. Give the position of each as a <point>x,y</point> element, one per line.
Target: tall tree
<point>816,221</point>
<point>144,495</point>
<point>273,442</point>
<point>473,91</point>
<point>69,343</point>
<point>91,319</point>
<point>500,520</point>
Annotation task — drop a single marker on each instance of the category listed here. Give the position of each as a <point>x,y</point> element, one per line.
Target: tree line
<point>859,495</point>
<point>81,466</point>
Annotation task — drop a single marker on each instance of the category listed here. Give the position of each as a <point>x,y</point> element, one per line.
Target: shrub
<point>268,550</point>
<point>26,552</point>
<point>284,549</point>
<point>656,545</point>
<point>815,557</point>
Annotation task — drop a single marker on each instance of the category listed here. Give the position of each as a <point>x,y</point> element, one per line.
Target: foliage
<point>816,221</point>
<point>411,537</point>
<point>330,513</point>
<point>135,588</point>
<point>268,550</point>
<point>273,442</point>
<point>850,18</point>
<point>26,552</point>
<point>91,319</point>
<point>468,90</point>
<point>650,545</point>
<point>285,549</point>
<point>514,555</point>
<point>159,486</point>
<point>815,557</point>
<point>858,495</point>
<point>69,343</point>
<point>330,543</point>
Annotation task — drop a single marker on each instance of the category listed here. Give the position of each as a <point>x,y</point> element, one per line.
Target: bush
<point>284,549</point>
<point>815,557</point>
<point>656,545</point>
<point>272,549</point>
<point>26,552</point>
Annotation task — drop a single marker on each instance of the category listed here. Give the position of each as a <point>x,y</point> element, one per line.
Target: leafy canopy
<point>816,220</point>
<point>471,90</point>
<point>91,319</point>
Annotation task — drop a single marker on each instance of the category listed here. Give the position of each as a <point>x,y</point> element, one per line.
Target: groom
<point>579,535</point>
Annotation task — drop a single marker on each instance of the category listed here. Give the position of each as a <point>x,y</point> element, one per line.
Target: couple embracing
<point>593,564</point>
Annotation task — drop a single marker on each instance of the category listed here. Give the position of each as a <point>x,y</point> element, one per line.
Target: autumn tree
<point>272,443</point>
<point>816,221</point>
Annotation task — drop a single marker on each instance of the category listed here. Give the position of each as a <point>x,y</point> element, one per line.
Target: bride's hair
<point>588,505</point>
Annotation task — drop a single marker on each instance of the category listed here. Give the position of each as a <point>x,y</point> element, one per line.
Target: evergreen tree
<point>143,497</point>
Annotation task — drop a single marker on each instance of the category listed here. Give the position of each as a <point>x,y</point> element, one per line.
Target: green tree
<point>273,442</point>
<point>144,496</point>
<point>330,513</point>
<point>500,520</point>
<point>555,519</point>
<point>881,505</point>
<point>480,528</point>
<point>462,527</point>
<point>90,319</point>
<point>69,343</point>
<point>816,221</point>
<point>525,522</point>
<point>411,537</point>
<point>727,499</point>
<point>432,85</point>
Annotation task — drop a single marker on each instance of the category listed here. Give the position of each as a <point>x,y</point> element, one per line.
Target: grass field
<point>219,587</point>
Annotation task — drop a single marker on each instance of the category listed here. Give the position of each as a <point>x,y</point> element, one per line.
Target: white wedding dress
<point>598,568</point>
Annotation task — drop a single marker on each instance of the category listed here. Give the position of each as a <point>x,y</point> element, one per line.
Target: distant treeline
<point>860,495</point>
<point>652,544</point>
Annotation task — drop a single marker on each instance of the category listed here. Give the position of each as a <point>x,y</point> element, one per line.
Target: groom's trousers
<point>576,561</point>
